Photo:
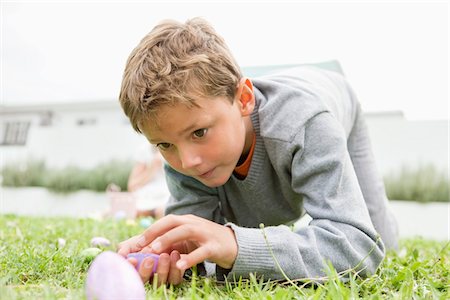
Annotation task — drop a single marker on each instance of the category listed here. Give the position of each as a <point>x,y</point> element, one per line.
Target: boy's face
<point>203,142</point>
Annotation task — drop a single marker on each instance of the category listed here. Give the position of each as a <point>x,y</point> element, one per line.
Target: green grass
<point>32,266</point>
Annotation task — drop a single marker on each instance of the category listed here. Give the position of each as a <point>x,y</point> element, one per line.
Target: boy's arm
<point>341,231</point>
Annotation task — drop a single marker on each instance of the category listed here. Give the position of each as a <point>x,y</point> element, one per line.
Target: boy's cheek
<point>173,162</point>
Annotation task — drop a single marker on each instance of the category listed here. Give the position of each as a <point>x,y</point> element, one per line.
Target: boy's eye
<point>200,133</point>
<point>163,146</point>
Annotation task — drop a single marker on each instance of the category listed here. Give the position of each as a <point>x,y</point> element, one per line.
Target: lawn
<point>34,265</point>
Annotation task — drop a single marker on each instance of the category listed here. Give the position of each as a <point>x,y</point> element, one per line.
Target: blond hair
<point>177,63</point>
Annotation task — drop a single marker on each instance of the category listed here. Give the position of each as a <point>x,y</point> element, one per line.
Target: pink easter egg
<point>111,276</point>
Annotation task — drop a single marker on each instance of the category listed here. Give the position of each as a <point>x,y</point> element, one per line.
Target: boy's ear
<point>246,96</point>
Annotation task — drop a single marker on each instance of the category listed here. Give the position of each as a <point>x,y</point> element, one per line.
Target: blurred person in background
<point>147,182</point>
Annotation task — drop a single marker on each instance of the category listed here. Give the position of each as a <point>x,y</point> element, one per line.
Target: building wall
<point>397,143</point>
<point>83,135</point>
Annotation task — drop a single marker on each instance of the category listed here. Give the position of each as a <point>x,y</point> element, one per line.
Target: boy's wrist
<point>233,250</point>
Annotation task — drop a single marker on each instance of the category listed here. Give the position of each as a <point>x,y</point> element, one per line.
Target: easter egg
<point>110,276</point>
<point>61,243</point>
<point>130,222</point>
<point>120,215</point>
<point>141,256</point>
<point>88,254</point>
<point>145,222</point>
<point>100,241</point>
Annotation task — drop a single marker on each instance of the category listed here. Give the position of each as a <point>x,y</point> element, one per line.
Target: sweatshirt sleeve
<point>340,233</point>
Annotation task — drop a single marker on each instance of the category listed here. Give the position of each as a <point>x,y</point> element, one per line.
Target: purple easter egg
<point>110,276</point>
<point>141,256</point>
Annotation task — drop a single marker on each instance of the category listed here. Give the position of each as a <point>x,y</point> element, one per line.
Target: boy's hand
<point>196,238</point>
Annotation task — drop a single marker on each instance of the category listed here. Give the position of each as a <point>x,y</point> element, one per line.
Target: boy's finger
<point>146,269</point>
<point>158,228</point>
<point>124,250</point>
<point>133,261</point>
<point>175,274</point>
<point>128,246</point>
<point>192,259</point>
<point>163,268</point>
<point>185,232</point>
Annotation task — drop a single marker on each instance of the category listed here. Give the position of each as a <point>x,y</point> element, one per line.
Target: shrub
<point>67,179</point>
<point>30,173</point>
<point>424,184</point>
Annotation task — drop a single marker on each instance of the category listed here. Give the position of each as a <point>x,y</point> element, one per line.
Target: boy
<point>243,152</point>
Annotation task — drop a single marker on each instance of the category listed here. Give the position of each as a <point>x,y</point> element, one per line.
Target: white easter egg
<point>100,241</point>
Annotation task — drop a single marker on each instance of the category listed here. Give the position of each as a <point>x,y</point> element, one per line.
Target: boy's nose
<point>189,159</point>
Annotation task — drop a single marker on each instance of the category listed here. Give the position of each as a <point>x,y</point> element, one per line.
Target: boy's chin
<point>214,182</point>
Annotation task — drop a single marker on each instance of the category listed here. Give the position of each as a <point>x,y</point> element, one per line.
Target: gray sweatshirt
<point>311,156</point>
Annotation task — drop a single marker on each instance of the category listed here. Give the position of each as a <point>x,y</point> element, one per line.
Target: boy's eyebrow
<point>181,132</point>
<point>188,128</point>
<point>153,141</point>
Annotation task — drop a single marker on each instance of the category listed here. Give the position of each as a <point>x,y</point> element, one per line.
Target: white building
<point>83,134</point>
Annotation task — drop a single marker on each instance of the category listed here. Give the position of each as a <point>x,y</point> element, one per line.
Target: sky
<point>394,54</point>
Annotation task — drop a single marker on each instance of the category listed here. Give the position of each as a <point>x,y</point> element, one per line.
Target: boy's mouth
<point>207,174</point>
